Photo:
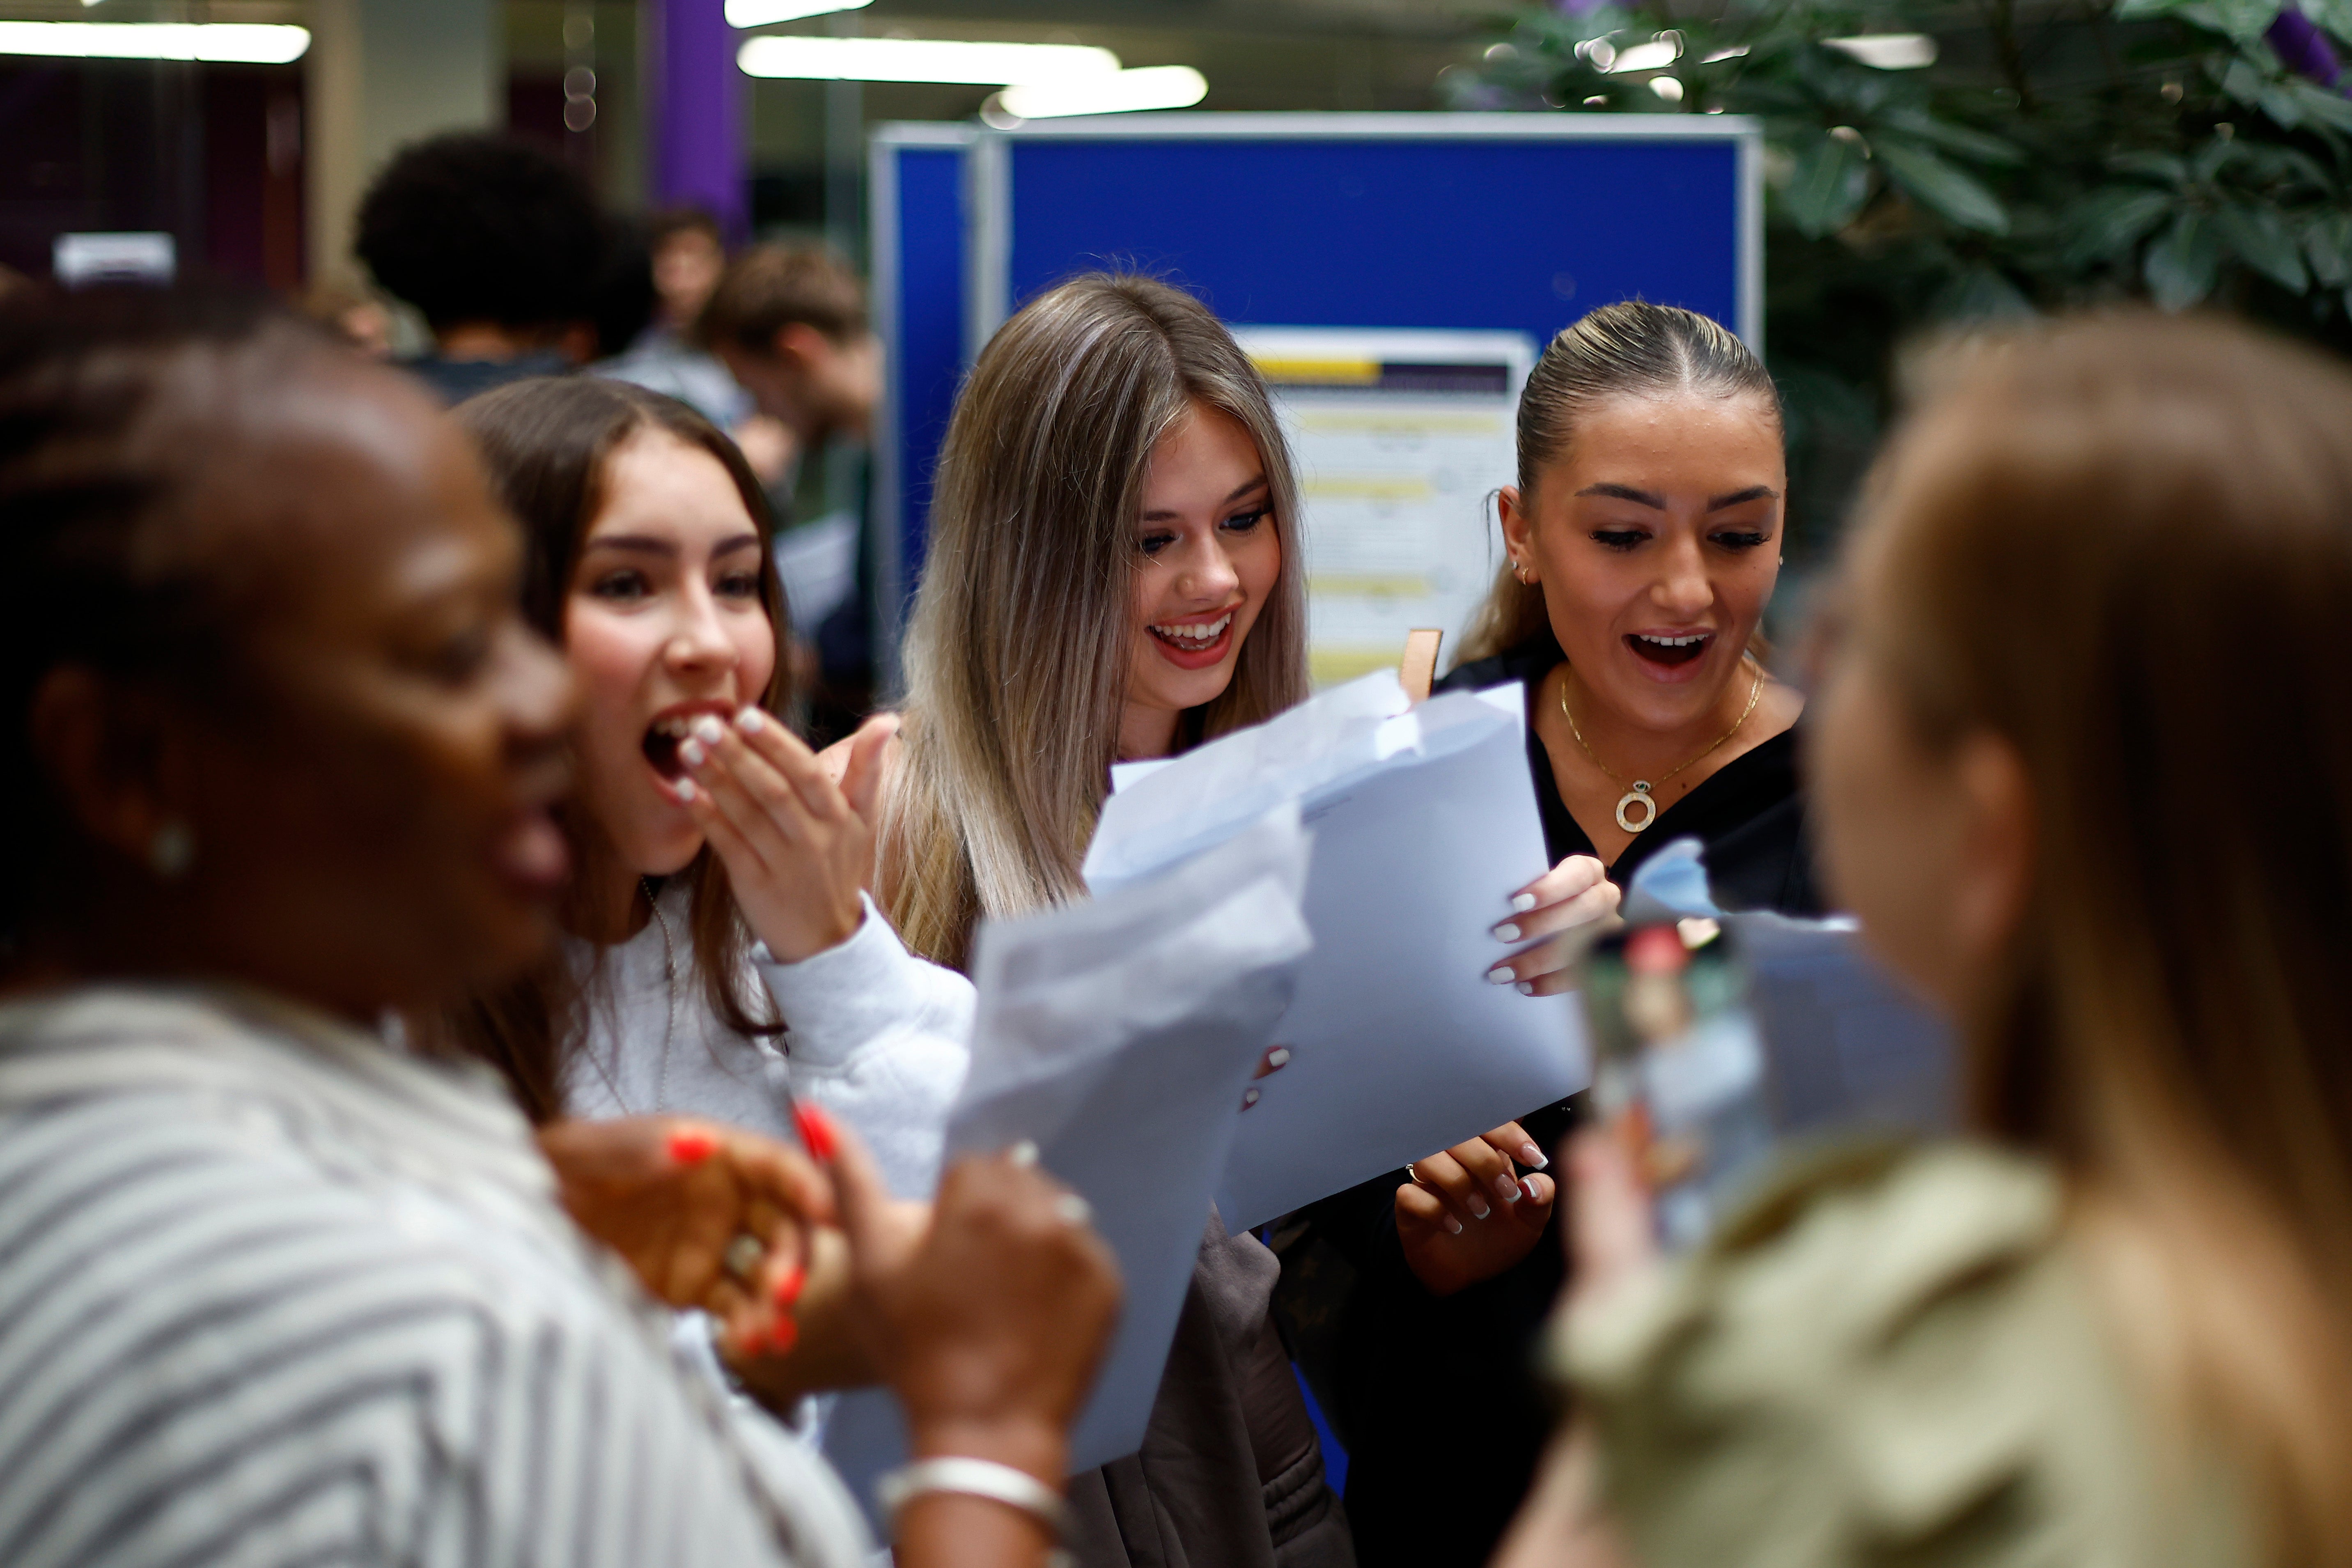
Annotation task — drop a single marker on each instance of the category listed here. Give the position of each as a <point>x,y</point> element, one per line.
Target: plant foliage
<point>2081,153</point>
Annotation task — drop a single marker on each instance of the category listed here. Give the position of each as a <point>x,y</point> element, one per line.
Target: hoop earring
<point>172,851</point>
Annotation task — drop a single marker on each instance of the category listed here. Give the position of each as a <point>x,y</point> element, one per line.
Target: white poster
<point>1401,439</point>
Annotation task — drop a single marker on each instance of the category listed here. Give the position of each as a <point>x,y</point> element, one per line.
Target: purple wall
<point>698,127</point>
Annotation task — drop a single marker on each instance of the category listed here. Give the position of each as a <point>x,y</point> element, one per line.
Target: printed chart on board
<point>1401,439</point>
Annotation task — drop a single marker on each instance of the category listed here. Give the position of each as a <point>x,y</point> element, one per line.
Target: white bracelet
<point>973,1477</point>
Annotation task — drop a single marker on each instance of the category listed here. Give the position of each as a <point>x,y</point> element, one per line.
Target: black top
<point>1438,1401</point>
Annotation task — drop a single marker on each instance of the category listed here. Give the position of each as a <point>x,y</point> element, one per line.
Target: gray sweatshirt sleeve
<point>878,1037</point>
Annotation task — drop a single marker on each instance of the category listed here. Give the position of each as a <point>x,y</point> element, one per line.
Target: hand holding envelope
<point>1425,828</point>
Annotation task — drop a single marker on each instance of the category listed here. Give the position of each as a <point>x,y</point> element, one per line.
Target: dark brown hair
<point>546,443</point>
<point>105,394</point>
<point>1630,349</point>
<point>2122,546</point>
<point>771,286</point>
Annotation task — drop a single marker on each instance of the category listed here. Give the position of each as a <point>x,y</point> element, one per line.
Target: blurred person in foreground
<point>504,251</point>
<point>2109,1328</point>
<point>278,761</point>
<point>688,254</point>
<point>791,325</point>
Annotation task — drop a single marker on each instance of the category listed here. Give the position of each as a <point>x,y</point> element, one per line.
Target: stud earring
<point>172,851</point>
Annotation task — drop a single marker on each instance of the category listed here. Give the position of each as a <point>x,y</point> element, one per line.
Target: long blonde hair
<point>2079,547</point>
<point>1632,348</point>
<point>1018,648</point>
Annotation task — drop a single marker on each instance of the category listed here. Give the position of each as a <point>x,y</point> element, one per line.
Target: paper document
<point>1424,825</point>
<point>1120,1035</point>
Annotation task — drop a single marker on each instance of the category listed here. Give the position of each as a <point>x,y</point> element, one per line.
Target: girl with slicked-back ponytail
<point>1644,540</point>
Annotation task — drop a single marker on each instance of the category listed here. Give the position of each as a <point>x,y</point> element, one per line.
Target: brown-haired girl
<point>717,900</point>
<point>1645,542</point>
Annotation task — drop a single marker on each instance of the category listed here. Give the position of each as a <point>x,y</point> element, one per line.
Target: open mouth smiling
<point>1669,651</point>
<point>669,728</point>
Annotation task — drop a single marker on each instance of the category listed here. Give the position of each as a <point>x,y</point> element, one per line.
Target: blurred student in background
<point>2066,808</point>
<point>789,324</point>
<point>688,254</point>
<point>279,758</point>
<point>504,251</point>
<point>1644,541</point>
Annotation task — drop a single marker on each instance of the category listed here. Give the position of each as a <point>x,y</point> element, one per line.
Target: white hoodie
<point>874,1035</point>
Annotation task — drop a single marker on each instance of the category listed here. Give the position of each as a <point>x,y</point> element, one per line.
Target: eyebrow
<point>646,544</point>
<point>1656,502</point>
<point>1256,484</point>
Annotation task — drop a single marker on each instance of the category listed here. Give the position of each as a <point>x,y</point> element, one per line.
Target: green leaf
<point>2244,20</point>
<point>2317,103</point>
<point>2181,267</point>
<point>2263,241</point>
<point>2244,83</point>
<point>2327,247</point>
<point>1938,185</point>
<point>1970,143</point>
<point>2336,16</point>
<point>1981,294</point>
<point>2113,219</point>
<point>2152,165</point>
<point>1827,186</point>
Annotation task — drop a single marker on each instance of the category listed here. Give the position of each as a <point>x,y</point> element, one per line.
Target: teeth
<point>1202,634</point>
<point>1676,642</point>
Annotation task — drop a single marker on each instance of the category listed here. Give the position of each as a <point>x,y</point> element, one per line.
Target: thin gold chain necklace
<point>1638,793</point>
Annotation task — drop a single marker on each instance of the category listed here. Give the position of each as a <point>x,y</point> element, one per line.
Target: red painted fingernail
<point>789,1286</point>
<point>689,1146</point>
<point>817,1132</point>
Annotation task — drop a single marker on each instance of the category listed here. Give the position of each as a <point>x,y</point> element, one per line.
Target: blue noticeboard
<point>1460,222</point>
<point>914,186</point>
<point>1476,222</point>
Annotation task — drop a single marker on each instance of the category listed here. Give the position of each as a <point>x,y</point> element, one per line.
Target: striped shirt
<point>272,1293</point>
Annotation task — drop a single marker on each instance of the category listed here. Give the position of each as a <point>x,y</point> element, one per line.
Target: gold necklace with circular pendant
<point>1639,793</point>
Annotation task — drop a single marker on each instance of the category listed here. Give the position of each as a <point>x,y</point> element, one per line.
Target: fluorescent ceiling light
<point>1148,87</point>
<point>1889,51</point>
<point>921,59</point>
<point>238,43</point>
<point>760,13</point>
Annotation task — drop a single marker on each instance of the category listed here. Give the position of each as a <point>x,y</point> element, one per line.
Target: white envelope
<point>1120,1036</point>
<point>1424,823</point>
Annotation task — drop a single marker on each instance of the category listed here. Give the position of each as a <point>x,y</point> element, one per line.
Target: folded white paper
<point>1120,1036</point>
<point>1424,823</point>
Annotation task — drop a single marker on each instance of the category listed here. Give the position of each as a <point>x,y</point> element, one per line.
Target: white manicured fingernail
<point>1507,1189</point>
<point>1453,1225</point>
<point>1279,1056</point>
<point>1527,987</point>
<point>691,754</point>
<point>1479,1207</point>
<point>1523,903</point>
<point>684,788</point>
<point>1072,1209</point>
<point>709,731</point>
<point>750,721</point>
<point>1249,1097</point>
<point>1024,1153</point>
<point>1529,1189</point>
<point>1533,1158</point>
<point>1501,975</point>
<point>1508,931</point>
